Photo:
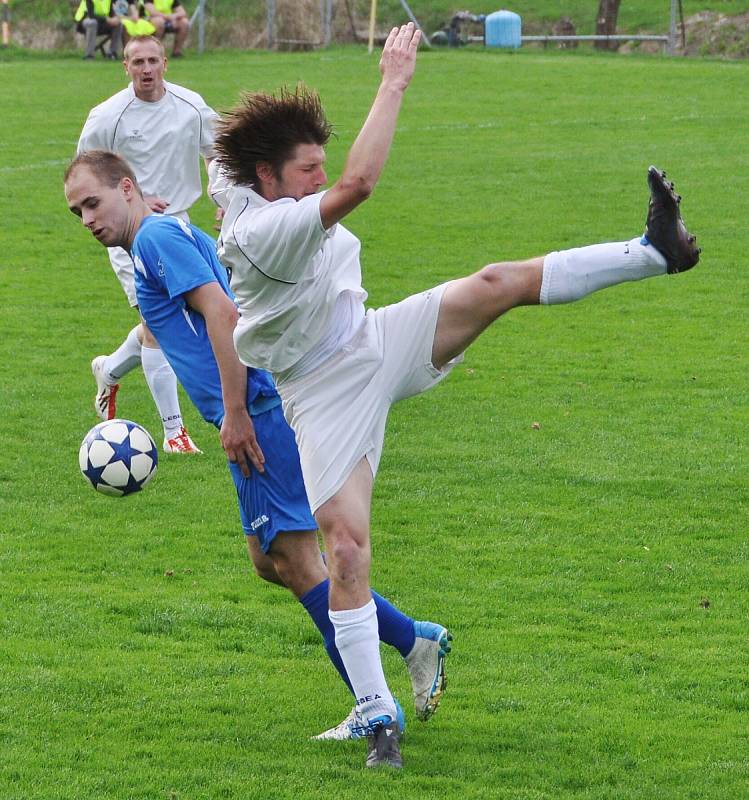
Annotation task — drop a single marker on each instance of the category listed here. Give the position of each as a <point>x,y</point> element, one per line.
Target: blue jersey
<point>171,258</point>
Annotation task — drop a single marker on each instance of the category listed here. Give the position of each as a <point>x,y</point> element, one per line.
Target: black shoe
<point>383,748</point>
<point>112,56</point>
<point>665,229</point>
<point>88,58</point>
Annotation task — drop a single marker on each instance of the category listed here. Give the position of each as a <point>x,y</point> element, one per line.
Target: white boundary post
<point>326,14</point>
<point>372,18</point>
<point>672,29</point>
<point>199,14</point>
<point>271,8</point>
<point>6,23</point>
<point>424,37</point>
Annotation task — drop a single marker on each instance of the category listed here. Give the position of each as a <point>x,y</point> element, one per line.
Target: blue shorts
<point>276,500</point>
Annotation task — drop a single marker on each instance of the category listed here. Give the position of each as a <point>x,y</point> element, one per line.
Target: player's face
<point>102,209</point>
<point>146,66</point>
<point>302,174</point>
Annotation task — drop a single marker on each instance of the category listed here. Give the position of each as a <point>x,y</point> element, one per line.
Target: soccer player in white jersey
<point>183,293</point>
<point>297,281</point>
<point>162,130</point>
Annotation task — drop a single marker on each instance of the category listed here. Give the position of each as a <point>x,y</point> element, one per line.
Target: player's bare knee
<point>512,283</point>
<point>348,555</point>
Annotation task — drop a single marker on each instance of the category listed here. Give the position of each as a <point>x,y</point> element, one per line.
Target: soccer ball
<point>118,457</point>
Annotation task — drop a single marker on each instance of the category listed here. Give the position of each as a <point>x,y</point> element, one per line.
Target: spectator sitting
<point>98,18</point>
<point>169,16</point>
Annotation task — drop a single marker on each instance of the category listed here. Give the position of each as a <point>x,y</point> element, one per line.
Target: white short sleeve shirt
<point>162,141</point>
<point>287,273</point>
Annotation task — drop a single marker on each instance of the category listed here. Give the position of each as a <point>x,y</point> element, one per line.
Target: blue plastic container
<point>502,29</point>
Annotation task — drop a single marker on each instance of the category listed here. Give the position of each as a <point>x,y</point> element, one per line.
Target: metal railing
<point>665,40</point>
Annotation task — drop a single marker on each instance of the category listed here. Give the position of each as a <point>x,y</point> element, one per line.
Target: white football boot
<point>426,666</point>
<point>181,443</point>
<point>354,727</point>
<point>105,403</point>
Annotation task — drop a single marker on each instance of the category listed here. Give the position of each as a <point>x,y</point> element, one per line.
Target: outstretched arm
<point>369,152</point>
<point>237,431</point>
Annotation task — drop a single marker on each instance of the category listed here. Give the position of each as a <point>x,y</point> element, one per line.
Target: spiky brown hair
<point>267,128</point>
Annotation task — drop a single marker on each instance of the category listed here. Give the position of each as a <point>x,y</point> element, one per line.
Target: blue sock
<point>396,629</point>
<point>315,601</point>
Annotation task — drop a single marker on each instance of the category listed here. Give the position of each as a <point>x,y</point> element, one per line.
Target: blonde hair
<point>137,40</point>
<point>108,168</point>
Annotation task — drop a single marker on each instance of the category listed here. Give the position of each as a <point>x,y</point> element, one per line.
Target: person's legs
<point>344,523</point>
<point>109,369</point>
<point>159,24</point>
<point>162,382</point>
<point>115,41</point>
<point>181,30</point>
<point>90,29</point>
<point>278,500</point>
<point>471,304</point>
<point>125,358</point>
<point>262,562</point>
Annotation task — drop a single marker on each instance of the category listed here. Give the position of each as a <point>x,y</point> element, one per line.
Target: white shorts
<point>124,269</point>
<point>338,411</point>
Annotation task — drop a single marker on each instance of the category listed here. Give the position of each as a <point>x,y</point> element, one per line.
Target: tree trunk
<point>608,11</point>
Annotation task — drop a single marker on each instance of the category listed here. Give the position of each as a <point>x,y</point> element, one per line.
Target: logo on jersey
<point>256,523</point>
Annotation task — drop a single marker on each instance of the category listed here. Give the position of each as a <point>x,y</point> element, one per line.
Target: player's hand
<point>218,218</point>
<point>398,59</point>
<point>239,442</point>
<point>157,204</point>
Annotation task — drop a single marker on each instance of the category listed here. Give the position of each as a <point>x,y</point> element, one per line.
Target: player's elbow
<point>357,187</point>
<point>230,315</point>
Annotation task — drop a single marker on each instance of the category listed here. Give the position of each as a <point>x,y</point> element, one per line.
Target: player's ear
<point>265,171</point>
<point>128,187</point>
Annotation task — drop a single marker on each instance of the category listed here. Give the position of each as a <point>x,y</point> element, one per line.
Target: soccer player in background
<point>162,130</point>
<point>297,281</point>
<point>184,297</point>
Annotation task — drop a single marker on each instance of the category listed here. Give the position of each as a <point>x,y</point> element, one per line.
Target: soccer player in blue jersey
<point>184,297</point>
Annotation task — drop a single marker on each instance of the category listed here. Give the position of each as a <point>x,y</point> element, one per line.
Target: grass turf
<point>592,566</point>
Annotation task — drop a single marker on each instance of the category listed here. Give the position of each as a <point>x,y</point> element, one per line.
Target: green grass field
<point>593,570</point>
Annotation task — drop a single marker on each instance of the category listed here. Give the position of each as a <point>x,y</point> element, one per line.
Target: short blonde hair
<point>108,168</point>
<point>137,40</point>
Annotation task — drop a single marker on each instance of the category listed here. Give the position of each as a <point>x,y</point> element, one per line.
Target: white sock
<point>572,274</point>
<point>125,358</point>
<point>358,642</point>
<point>162,382</point>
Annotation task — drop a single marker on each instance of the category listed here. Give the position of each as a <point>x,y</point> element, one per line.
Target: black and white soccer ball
<point>118,457</point>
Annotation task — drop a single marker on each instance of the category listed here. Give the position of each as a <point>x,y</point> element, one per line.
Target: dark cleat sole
<point>665,229</point>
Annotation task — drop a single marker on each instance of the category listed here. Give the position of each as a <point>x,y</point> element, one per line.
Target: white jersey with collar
<point>287,275</point>
<point>162,141</point>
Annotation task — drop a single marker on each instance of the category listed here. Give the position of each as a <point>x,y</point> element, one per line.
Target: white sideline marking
<point>57,162</point>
